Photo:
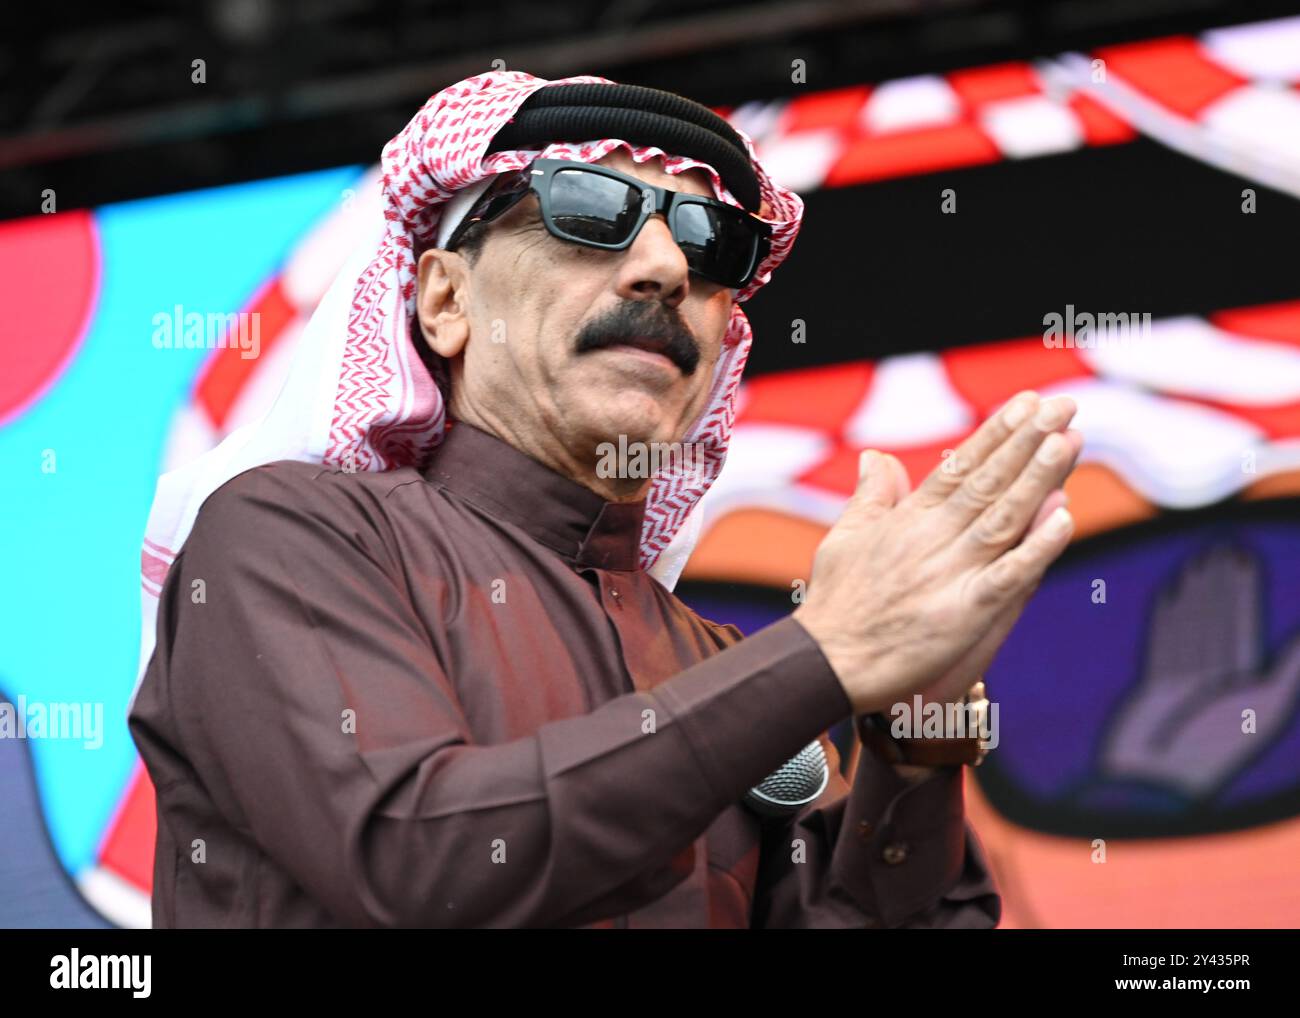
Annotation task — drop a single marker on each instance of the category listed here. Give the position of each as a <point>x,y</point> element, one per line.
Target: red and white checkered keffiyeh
<point>358,395</point>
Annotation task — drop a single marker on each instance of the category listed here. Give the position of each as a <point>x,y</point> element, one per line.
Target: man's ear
<point>441,303</point>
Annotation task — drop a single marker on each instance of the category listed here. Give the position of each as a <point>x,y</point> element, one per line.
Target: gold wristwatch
<point>875,732</point>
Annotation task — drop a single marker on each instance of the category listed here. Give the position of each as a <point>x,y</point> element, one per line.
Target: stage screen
<point>1119,225</point>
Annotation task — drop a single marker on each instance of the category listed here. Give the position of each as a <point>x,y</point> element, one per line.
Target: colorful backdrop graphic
<point>1118,191</point>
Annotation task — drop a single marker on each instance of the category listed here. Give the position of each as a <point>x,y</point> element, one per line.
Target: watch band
<point>874,730</point>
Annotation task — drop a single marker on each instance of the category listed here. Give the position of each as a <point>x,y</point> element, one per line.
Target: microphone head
<point>792,786</point>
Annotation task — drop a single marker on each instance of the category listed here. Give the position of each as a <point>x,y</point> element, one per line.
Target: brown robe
<point>449,697</point>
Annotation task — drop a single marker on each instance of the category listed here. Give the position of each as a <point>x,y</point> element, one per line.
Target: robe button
<point>618,598</point>
<point>895,853</point>
<point>865,829</point>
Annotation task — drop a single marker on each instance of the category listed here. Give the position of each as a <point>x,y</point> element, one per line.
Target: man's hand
<point>909,588</point>
<point>972,666</point>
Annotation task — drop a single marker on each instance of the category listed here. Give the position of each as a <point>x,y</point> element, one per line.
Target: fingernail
<point>1018,410</point>
<point>1058,522</point>
<point>1052,449</point>
<point>1052,414</point>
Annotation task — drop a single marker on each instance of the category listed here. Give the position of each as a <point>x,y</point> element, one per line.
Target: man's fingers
<point>902,482</point>
<point>1058,497</point>
<point>1013,573</point>
<point>947,477</point>
<point>1053,500</point>
<point>985,485</point>
<point>878,484</point>
<point>1004,522</point>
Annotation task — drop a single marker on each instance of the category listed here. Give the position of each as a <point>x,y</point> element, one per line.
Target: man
<point>447,689</point>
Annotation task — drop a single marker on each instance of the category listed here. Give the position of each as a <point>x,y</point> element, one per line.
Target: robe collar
<point>555,510</point>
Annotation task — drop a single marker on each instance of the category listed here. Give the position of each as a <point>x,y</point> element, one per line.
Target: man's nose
<point>654,266</point>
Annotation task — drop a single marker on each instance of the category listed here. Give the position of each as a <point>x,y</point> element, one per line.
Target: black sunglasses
<point>602,208</point>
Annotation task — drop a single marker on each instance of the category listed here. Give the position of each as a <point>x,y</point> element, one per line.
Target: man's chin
<point>628,416</point>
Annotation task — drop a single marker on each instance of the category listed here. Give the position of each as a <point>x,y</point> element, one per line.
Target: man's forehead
<point>692,181</point>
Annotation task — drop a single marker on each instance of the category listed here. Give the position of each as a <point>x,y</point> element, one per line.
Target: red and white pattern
<point>1229,98</point>
<point>1238,84</point>
<point>923,124</point>
<point>1187,414</point>
<point>357,395</point>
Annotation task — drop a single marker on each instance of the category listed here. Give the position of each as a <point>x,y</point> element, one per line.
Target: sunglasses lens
<point>719,243</point>
<point>593,209</point>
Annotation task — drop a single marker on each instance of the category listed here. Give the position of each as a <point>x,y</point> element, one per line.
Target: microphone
<point>793,785</point>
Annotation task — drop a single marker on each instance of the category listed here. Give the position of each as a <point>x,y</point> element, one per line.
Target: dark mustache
<point>647,320</point>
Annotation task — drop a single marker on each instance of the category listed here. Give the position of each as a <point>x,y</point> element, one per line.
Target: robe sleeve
<point>311,703</point>
<point>884,852</point>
